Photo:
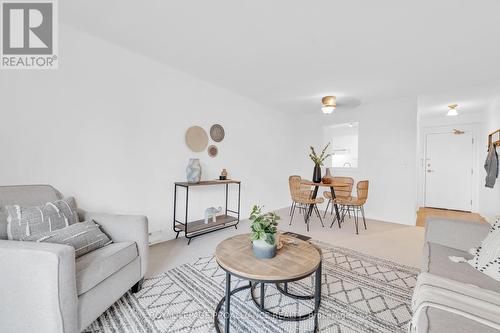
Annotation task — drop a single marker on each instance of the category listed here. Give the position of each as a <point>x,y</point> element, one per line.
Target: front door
<point>448,170</point>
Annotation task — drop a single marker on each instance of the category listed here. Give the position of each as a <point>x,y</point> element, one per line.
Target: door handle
<point>429,170</point>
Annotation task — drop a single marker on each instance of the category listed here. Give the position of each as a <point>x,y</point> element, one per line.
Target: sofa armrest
<point>457,234</point>
<point>132,228</point>
<point>38,287</point>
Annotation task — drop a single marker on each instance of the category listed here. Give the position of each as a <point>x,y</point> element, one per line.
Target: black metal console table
<point>192,229</point>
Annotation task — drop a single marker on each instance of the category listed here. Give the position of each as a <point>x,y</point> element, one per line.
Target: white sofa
<point>450,296</point>
<point>44,289</point>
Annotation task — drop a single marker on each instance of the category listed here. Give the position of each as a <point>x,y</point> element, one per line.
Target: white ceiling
<point>287,54</point>
<point>471,100</point>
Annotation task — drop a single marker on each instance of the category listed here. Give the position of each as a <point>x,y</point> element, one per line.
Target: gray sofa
<point>450,296</point>
<point>44,289</point>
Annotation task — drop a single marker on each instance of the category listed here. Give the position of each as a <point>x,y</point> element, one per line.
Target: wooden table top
<point>209,182</point>
<point>310,183</point>
<point>292,261</point>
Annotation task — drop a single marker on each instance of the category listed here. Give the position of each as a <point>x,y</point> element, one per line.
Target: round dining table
<point>332,187</point>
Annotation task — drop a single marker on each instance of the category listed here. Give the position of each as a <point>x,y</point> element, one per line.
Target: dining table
<point>333,185</point>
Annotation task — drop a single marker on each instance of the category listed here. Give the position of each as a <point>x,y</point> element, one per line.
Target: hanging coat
<point>491,166</point>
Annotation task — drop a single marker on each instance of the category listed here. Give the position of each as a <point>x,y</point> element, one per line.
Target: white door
<point>448,170</point>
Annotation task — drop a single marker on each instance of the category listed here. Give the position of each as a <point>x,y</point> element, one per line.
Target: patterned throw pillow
<point>487,256</point>
<point>26,221</point>
<point>85,237</point>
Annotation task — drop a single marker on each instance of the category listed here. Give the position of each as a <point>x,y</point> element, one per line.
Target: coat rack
<point>494,139</point>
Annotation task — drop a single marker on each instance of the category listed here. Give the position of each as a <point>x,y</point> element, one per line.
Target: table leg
<point>262,297</point>
<point>337,214</point>
<point>311,206</point>
<point>317,296</point>
<point>227,305</point>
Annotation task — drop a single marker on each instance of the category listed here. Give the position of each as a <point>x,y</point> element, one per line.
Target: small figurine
<point>212,212</point>
<point>223,174</point>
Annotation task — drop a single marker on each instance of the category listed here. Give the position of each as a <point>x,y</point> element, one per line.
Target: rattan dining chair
<point>301,198</point>
<point>295,190</point>
<point>344,192</point>
<point>355,203</point>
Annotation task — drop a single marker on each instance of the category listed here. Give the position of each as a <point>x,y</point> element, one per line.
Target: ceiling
<point>288,54</point>
<point>472,100</point>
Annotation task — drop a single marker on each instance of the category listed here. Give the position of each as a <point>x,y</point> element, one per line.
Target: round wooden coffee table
<point>292,262</point>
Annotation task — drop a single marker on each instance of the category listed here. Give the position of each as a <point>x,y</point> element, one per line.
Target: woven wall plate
<point>217,133</point>
<point>212,151</point>
<point>196,138</point>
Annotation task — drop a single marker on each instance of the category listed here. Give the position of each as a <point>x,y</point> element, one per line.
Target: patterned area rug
<point>360,293</point>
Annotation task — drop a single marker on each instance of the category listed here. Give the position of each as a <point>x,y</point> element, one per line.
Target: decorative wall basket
<point>196,139</point>
<point>217,133</point>
<point>212,151</point>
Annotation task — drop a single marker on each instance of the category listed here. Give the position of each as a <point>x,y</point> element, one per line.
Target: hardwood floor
<point>424,213</point>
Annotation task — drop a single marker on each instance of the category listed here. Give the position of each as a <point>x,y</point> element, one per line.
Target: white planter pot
<point>263,250</point>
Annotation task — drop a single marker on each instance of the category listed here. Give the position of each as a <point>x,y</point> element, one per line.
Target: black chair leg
<point>354,212</point>
<point>306,219</point>
<point>334,217</point>
<point>293,212</point>
<point>319,215</point>
<point>138,286</point>
<point>333,221</point>
<point>341,213</point>
<point>363,213</point>
<point>327,205</point>
<point>344,213</point>
<point>291,208</point>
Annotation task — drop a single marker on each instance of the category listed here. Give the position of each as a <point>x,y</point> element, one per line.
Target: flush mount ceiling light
<point>452,110</point>
<point>329,104</point>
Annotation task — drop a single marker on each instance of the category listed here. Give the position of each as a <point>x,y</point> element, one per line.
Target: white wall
<point>489,198</point>
<point>108,128</point>
<point>387,143</point>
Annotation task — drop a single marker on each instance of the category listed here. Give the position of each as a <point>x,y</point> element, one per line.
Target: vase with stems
<point>318,162</point>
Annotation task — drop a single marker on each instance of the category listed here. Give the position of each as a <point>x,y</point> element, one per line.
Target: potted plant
<point>318,162</point>
<point>264,232</point>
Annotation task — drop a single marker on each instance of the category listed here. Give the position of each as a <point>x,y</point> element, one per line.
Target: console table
<point>196,228</point>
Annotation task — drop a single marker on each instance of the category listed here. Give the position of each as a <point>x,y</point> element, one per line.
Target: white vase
<point>193,171</point>
<point>263,250</point>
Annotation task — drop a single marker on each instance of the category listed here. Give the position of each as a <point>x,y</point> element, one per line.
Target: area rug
<point>360,293</point>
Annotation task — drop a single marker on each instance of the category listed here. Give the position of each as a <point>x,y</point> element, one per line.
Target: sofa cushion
<point>97,265</point>
<point>437,262</point>
<point>84,236</point>
<point>26,221</point>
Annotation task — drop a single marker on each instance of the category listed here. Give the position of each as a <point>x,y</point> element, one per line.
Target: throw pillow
<point>85,237</point>
<point>26,221</point>
<point>487,257</point>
